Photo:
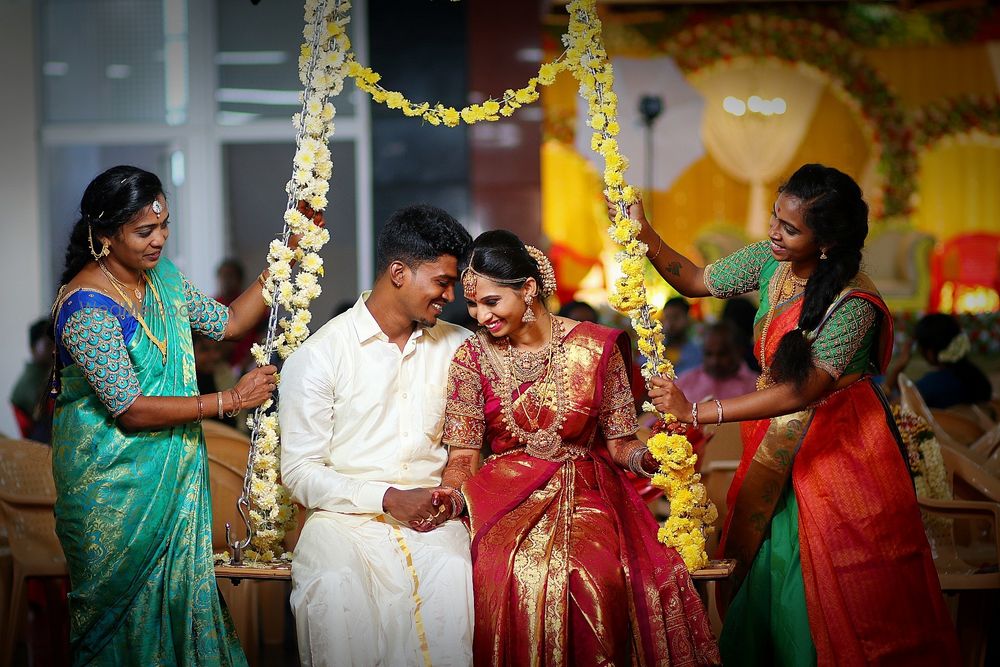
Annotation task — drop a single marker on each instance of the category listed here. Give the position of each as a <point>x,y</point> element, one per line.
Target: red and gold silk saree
<point>566,566</point>
<point>871,590</point>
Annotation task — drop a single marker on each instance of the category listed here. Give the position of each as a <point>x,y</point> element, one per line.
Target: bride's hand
<point>668,398</point>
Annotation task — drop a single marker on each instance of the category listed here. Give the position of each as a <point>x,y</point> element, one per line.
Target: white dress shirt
<point>358,415</point>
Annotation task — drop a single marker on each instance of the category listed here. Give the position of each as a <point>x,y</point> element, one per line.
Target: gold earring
<point>105,246</point>
<point>529,315</point>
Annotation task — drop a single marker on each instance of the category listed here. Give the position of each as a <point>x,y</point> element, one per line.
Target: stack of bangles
<point>634,462</point>
<point>237,405</point>
<point>457,502</point>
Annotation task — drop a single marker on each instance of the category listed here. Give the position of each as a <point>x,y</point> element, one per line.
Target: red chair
<point>963,264</point>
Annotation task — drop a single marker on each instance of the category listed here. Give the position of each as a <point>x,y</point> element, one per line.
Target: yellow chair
<point>27,496</point>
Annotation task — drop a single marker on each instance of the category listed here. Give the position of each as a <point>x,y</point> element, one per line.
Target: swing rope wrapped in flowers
<point>326,59</point>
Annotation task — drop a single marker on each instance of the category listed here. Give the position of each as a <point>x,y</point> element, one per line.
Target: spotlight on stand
<point>650,107</point>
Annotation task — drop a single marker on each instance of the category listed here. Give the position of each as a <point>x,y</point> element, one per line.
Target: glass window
<point>258,62</point>
<point>255,177</point>
<point>114,60</point>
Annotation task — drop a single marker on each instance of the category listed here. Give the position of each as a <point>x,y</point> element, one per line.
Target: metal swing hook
<point>236,547</point>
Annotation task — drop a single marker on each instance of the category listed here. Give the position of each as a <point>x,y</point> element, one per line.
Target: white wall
<point>21,298</point>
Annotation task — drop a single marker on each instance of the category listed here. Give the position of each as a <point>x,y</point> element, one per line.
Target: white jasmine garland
<point>321,70</point>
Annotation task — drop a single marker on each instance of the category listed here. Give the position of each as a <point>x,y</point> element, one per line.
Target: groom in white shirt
<point>380,575</point>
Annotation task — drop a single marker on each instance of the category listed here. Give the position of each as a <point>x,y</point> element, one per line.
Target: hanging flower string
<point>691,512</point>
<point>367,80</point>
<point>293,273</point>
<point>325,60</point>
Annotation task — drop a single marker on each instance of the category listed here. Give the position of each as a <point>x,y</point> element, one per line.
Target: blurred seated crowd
<point>713,357</point>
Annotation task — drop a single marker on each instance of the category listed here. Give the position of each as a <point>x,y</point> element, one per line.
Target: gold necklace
<point>545,442</point>
<point>161,345</point>
<point>120,283</point>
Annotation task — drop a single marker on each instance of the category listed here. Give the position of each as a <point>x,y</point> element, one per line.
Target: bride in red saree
<point>566,566</point>
<point>834,567</point>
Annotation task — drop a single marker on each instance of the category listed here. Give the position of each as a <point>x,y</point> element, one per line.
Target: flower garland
<point>322,62</point>
<point>491,110</point>
<point>923,454</point>
<point>691,512</point>
<point>956,116</point>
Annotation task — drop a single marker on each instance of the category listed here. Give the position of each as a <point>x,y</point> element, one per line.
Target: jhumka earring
<point>105,247</point>
<point>822,254</point>
<point>529,315</point>
<point>469,279</point>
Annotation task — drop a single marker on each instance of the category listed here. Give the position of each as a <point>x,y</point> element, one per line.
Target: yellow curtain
<point>574,218</point>
<point>923,74</point>
<point>752,147</point>
<point>958,188</point>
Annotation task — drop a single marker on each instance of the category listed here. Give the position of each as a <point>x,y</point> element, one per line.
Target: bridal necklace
<point>120,287</point>
<point>549,373</point>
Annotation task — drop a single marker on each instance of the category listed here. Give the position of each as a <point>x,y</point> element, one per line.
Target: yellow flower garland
<point>439,114</point>
<point>691,512</point>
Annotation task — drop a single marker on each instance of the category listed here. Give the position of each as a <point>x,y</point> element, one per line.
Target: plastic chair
<point>963,263</point>
<point>984,450</point>
<point>721,456</point>
<point>257,607</point>
<point>27,496</point>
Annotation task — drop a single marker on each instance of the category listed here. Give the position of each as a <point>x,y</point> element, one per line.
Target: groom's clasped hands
<point>422,509</point>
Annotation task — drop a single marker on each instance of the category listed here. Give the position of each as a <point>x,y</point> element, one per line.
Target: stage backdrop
<point>906,103</point>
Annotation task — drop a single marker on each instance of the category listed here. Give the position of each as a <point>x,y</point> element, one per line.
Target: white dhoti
<point>366,592</point>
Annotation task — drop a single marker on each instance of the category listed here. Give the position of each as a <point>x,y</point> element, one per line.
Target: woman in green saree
<point>833,567</point>
<point>133,511</point>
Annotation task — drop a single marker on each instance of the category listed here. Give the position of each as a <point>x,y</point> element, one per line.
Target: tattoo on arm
<point>673,268</point>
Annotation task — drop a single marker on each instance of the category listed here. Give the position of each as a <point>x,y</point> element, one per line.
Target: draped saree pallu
<point>566,566</point>
<point>871,592</point>
<point>133,510</point>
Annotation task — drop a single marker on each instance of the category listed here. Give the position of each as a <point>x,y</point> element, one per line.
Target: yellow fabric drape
<point>923,74</point>
<point>958,188</point>
<point>574,217</point>
<point>752,147</point>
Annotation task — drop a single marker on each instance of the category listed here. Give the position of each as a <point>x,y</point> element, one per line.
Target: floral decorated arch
<point>956,117</point>
<point>802,42</point>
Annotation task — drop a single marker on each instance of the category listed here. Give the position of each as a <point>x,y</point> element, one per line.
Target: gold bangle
<point>659,247</point>
<point>201,409</point>
<point>238,404</point>
<point>718,404</point>
<point>219,397</point>
<point>262,280</point>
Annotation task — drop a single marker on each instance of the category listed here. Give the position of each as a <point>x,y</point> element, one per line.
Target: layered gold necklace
<point>784,286</point>
<point>136,311</point>
<point>547,369</point>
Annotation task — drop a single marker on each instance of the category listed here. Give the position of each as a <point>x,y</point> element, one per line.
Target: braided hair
<point>112,200</point>
<point>833,208</point>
